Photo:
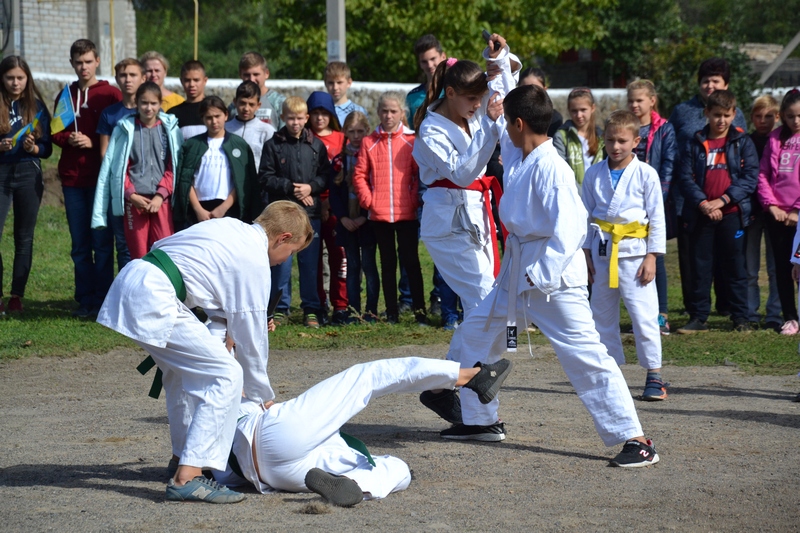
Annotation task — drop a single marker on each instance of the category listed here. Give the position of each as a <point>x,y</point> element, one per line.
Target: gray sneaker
<point>337,490</point>
<point>201,489</point>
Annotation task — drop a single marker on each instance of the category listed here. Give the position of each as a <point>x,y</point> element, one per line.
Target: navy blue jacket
<point>743,164</point>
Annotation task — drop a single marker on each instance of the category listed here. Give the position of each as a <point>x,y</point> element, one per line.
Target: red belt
<point>483,185</point>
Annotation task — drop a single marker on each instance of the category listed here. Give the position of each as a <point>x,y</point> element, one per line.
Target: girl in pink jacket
<point>386,180</point>
<point>779,192</point>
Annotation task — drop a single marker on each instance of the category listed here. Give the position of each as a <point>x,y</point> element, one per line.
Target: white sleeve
<point>566,224</point>
<point>589,203</point>
<point>654,205</point>
<point>502,85</point>
<point>249,331</point>
<point>434,150</point>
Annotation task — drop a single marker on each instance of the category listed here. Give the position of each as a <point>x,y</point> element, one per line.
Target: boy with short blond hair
<point>718,174</point>
<point>253,67</point>
<point>337,82</point>
<point>193,79</point>
<point>295,167</point>
<point>78,168</point>
<point>626,233</point>
<point>220,266</point>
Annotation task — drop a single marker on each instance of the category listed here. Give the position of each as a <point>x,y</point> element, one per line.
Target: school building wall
<point>42,31</point>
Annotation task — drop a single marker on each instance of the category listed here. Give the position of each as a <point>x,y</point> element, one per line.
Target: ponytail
<point>465,77</point>
<point>789,99</point>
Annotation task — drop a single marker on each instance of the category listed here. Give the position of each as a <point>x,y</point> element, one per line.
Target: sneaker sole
<point>491,393</point>
<point>337,490</point>
<point>654,398</point>
<point>483,437</point>
<point>656,459</point>
<point>691,331</point>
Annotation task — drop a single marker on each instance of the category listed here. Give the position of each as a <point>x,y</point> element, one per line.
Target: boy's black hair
<point>425,43</point>
<point>716,66</point>
<point>536,72</point>
<point>248,89</point>
<point>82,46</point>
<point>192,64</point>
<point>531,104</point>
<point>722,98</point>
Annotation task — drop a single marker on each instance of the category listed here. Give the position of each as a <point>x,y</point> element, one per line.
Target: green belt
<point>357,445</point>
<point>164,263</point>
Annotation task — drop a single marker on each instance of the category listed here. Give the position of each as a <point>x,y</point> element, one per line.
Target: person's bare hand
<point>218,212</point>
<point>79,140</point>
<point>301,190</point>
<point>155,204</point>
<point>29,143</point>
<point>496,38</point>
<point>647,270</point>
<point>139,202</point>
<point>493,70</point>
<point>5,145</point>
<point>348,224</point>
<point>308,201</point>
<point>202,215</point>
<point>494,109</point>
<point>271,325</point>
<point>715,215</point>
<point>791,218</point>
<point>777,213</point>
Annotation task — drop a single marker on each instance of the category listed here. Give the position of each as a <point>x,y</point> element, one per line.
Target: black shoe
<point>694,326</point>
<point>489,379</point>
<point>774,326</point>
<point>82,312</point>
<point>404,307</point>
<point>340,318</point>
<point>446,404</point>
<point>742,326</point>
<point>494,433</point>
<point>392,319</point>
<point>635,454</point>
<point>337,490</point>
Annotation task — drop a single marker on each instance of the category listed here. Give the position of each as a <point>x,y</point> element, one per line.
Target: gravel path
<point>84,449</point>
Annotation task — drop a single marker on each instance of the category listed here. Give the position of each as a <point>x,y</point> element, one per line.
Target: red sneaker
<point>15,304</point>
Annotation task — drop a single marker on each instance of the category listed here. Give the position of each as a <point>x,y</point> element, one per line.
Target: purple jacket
<point>785,194</point>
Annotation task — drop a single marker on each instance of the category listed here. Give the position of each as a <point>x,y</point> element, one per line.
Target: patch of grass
<point>47,328</point>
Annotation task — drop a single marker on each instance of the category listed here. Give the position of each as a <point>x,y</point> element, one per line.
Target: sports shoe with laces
<point>310,321</point>
<point>654,390</point>
<point>635,454</point>
<point>694,326</point>
<point>790,327</point>
<point>201,489</point>
<point>280,318</point>
<point>446,404</point>
<point>340,317</point>
<point>493,433</point>
<point>663,324</point>
<point>337,490</point>
<point>489,379</point>
<point>742,326</point>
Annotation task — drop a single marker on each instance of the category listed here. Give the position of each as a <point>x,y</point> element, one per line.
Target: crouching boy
<point>222,266</point>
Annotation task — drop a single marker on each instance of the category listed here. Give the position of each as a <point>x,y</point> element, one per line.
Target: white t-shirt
<point>588,159</point>
<point>212,181</point>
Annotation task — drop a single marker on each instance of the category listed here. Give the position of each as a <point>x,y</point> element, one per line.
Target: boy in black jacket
<point>719,172</point>
<point>294,166</point>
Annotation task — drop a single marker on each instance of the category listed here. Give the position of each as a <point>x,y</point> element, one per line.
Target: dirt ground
<point>84,449</point>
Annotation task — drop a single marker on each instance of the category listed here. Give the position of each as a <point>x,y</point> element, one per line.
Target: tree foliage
<point>380,34</point>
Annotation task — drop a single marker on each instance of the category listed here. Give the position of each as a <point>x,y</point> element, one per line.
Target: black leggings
<point>407,233</point>
<point>20,184</point>
<point>782,239</point>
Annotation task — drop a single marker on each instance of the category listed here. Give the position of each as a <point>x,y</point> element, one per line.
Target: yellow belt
<point>634,230</point>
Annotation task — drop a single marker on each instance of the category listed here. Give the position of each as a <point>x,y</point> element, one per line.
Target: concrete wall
<point>49,27</point>
<point>363,93</point>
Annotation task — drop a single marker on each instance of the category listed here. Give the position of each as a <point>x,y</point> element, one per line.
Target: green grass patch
<point>48,329</point>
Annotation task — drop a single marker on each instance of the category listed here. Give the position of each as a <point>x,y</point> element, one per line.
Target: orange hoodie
<point>386,177</point>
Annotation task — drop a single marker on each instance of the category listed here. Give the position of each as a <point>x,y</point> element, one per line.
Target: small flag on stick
<point>27,129</point>
<point>64,115</point>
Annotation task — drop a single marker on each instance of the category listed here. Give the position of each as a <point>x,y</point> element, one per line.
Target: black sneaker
<point>337,490</point>
<point>340,317</point>
<point>446,404</point>
<point>694,326</point>
<point>436,306</point>
<point>489,379</point>
<point>494,433</point>
<point>635,454</point>
<point>742,326</point>
<point>774,326</point>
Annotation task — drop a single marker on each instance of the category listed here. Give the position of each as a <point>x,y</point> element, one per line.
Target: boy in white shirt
<point>222,266</point>
<point>244,122</point>
<point>626,232</point>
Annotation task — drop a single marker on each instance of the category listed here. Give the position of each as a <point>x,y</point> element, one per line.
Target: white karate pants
<point>466,267</point>
<point>641,301</point>
<point>566,320</point>
<point>303,433</point>
<point>203,388</point>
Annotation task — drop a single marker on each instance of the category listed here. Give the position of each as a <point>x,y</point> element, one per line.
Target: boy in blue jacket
<point>718,174</point>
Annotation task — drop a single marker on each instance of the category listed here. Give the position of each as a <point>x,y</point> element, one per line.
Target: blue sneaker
<point>663,324</point>
<point>654,390</point>
<point>201,489</point>
<point>450,324</point>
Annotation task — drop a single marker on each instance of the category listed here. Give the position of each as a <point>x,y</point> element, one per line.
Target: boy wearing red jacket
<point>92,250</point>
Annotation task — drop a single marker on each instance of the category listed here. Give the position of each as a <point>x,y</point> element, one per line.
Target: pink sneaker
<point>790,327</point>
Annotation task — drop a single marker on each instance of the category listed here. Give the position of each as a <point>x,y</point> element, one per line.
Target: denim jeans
<point>117,225</point>
<point>449,299</point>
<point>307,261</point>
<point>753,259</point>
<point>361,258</point>
<point>92,249</point>
<point>20,185</point>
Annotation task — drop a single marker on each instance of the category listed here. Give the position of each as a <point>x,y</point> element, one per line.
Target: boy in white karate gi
<point>626,232</point>
<point>296,445</point>
<point>222,266</point>
<point>543,280</point>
